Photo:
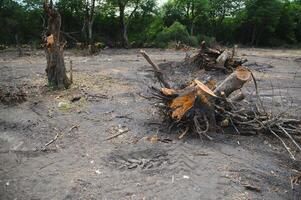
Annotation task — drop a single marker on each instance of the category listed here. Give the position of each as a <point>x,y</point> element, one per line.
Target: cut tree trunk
<point>233,82</point>
<point>56,71</point>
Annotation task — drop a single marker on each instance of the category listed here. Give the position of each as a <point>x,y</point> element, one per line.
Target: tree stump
<point>56,71</point>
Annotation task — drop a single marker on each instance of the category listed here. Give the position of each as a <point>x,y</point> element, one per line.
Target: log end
<point>204,88</point>
<point>243,73</point>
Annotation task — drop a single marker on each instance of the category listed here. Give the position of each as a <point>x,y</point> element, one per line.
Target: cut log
<point>221,60</point>
<point>233,82</point>
<point>159,74</point>
<point>56,71</point>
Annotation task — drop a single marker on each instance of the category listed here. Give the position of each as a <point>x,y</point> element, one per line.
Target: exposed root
<point>205,108</point>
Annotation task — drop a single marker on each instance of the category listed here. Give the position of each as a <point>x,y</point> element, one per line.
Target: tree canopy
<point>143,23</point>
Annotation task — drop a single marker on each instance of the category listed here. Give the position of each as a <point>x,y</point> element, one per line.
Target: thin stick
<point>235,128</point>
<point>115,136</point>
<point>256,89</point>
<point>50,142</point>
<point>286,147</point>
<point>288,135</point>
<point>73,127</point>
<point>158,71</point>
<point>184,133</point>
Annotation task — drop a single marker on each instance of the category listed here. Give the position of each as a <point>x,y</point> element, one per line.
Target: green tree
<point>262,17</point>
<point>220,9</point>
<point>124,19</point>
<point>192,10</point>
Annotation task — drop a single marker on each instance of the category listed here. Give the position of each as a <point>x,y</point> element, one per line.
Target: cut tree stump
<point>56,71</point>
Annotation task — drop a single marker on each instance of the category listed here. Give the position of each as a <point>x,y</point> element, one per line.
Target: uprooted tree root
<point>208,107</point>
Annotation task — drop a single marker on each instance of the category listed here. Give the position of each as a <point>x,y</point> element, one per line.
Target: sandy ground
<point>82,164</point>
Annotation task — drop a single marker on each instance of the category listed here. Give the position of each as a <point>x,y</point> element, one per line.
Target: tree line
<point>143,23</point>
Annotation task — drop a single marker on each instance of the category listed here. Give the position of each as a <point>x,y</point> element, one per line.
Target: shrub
<point>177,32</point>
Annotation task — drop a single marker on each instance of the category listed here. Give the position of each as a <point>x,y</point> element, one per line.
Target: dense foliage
<point>143,23</point>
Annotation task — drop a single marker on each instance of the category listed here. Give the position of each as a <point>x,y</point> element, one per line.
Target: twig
<point>50,142</point>
<point>73,127</point>
<point>235,128</point>
<point>118,134</point>
<point>144,96</point>
<point>290,137</point>
<point>256,89</point>
<point>286,147</point>
<point>183,134</point>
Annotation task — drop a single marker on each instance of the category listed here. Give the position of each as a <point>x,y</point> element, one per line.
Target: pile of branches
<point>12,95</point>
<point>214,59</point>
<point>208,107</point>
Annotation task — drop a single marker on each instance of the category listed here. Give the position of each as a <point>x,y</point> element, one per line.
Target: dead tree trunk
<point>56,71</point>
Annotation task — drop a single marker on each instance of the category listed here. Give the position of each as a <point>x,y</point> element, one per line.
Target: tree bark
<point>125,41</point>
<point>56,71</point>
<point>90,37</point>
<point>90,8</point>
<point>233,82</point>
<point>159,74</point>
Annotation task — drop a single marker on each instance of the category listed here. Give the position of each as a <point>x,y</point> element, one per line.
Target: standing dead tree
<point>54,49</point>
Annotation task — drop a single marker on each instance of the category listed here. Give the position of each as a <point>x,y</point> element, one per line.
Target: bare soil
<point>86,163</point>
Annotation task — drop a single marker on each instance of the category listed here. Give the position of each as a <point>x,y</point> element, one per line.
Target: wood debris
<point>12,95</point>
<point>208,107</point>
<point>214,59</point>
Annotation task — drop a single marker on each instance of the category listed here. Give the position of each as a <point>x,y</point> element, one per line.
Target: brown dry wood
<point>222,58</point>
<point>158,72</point>
<point>233,82</point>
<point>116,135</point>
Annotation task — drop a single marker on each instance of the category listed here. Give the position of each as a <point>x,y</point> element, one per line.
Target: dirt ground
<point>84,163</point>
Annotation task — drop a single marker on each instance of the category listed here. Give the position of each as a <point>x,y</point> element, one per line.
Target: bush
<point>177,32</point>
<point>153,29</point>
